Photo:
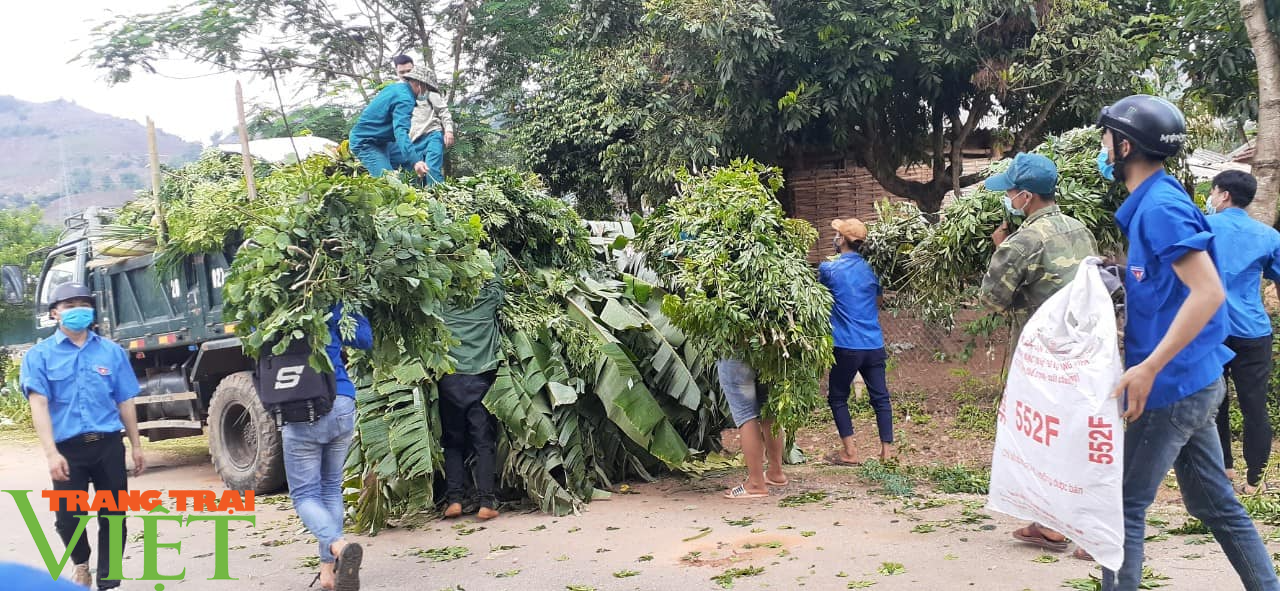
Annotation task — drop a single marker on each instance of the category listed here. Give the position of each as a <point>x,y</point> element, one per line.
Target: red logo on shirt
<point>1138,272</point>
<point>103,371</point>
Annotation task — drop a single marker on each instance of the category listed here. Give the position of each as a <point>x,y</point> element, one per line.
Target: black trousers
<point>468,427</point>
<point>871,364</point>
<point>100,463</point>
<point>1250,372</point>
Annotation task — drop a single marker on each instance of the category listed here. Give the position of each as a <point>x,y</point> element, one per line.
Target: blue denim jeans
<point>314,454</point>
<point>741,391</point>
<point>1184,436</point>
<point>430,149</point>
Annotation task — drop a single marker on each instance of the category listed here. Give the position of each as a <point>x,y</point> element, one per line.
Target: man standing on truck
<point>467,424</point>
<point>384,126</point>
<point>81,389</point>
<point>432,129</point>
<point>1031,264</point>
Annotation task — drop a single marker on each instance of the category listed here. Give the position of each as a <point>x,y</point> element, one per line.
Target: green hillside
<point>64,157</point>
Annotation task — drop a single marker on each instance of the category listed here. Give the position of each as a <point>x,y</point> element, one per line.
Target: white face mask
<point>1008,205</point>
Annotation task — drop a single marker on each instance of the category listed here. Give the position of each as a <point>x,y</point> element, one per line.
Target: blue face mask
<point>1209,207</point>
<point>1108,171</point>
<point>76,319</point>
<point>1008,206</point>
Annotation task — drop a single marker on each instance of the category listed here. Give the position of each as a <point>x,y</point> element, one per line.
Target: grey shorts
<point>745,397</point>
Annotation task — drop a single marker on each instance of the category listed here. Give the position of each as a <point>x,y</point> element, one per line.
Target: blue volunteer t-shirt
<point>855,315</point>
<point>1163,224</point>
<point>84,385</point>
<point>1248,251</point>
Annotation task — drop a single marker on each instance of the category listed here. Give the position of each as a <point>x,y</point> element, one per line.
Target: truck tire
<point>243,440</point>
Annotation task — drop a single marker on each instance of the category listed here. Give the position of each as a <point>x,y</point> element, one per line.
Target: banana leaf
<point>620,385</point>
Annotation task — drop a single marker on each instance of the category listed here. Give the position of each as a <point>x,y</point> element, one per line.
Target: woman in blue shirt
<point>859,342</point>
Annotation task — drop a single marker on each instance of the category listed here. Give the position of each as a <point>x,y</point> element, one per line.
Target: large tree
<point>892,83</point>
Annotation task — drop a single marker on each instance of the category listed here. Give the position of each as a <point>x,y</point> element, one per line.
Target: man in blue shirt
<point>81,389</point>
<point>859,342</point>
<point>314,454</point>
<point>385,124</point>
<point>1248,251</point>
<point>1173,344</point>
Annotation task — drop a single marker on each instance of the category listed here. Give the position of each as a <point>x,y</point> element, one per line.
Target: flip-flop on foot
<point>1033,535</point>
<point>347,568</point>
<point>741,492</point>
<point>835,459</point>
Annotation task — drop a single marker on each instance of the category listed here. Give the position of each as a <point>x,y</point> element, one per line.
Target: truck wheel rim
<point>240,437</point>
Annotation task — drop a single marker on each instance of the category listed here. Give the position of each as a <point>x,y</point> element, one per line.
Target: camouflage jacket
<point>1035,261</point>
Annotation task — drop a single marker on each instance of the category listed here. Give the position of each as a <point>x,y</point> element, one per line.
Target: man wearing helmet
<point>81,389</point>
<point>1173,344</point>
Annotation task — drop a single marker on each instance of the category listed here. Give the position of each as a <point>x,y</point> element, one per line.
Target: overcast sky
<point>39,37</point>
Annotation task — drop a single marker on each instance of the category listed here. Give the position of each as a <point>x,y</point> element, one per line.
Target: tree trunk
<point>1266,159</point>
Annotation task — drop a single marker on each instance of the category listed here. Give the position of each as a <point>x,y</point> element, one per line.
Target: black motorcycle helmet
<point>69,291</point>
<point>1153,125</point>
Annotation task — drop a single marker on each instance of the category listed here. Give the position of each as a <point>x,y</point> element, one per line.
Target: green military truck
<point>188,361</point>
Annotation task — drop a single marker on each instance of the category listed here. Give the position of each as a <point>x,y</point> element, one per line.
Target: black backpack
<point>290,389</point>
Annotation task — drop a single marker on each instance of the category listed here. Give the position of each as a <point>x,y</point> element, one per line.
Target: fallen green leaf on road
<point>725,579</point>
<point>702,533</point>
<point>579,588</point>
<point>501,548</point>
<point>309,562</point>
<point>812,496</point>
<point>762,545</point>
<point>859,584</point>
<point>745,521</point>
<point>924,528</point>
<point>808,534</point>
<point>622,574</point>
<point>646,558</point>
<point>1045,559</point>
<point>444,554</point>
<point>891,568</point>
<point>507,574</point>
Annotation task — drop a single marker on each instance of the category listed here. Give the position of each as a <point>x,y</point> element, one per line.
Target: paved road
<point>660,534</point>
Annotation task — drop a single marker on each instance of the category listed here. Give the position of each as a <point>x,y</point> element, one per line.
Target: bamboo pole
<point>244,145</point>
<point>154,150</point>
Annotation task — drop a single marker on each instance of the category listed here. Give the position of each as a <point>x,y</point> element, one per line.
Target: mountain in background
<point>64,157</point>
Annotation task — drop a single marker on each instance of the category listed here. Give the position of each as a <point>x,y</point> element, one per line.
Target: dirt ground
<point>677,533</point>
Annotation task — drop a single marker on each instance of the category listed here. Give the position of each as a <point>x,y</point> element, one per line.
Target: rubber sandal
<point>740,492</point>
<point>347,568</point>
<point>1037,538</point>
<point>835,459</point>
<point>776,483</point>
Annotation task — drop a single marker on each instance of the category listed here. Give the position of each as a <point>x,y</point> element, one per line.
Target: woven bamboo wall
<point>836,191</point>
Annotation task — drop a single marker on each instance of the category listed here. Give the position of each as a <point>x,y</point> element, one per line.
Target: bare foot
<point>327,577</point>
<point>1231,474</point>
<point>887,452</point>
<point>486,513</point>
<point>453,510</point>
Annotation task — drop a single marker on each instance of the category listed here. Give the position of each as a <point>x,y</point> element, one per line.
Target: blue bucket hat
<point>1029,172</point>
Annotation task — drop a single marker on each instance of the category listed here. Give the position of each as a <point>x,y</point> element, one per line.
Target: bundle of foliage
<point>938,266</point>
<point>597,384</point>
<point>380,247</point>
<point>741,283</point>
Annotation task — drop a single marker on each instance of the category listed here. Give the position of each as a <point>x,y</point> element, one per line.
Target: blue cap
<point>1029,172</point>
